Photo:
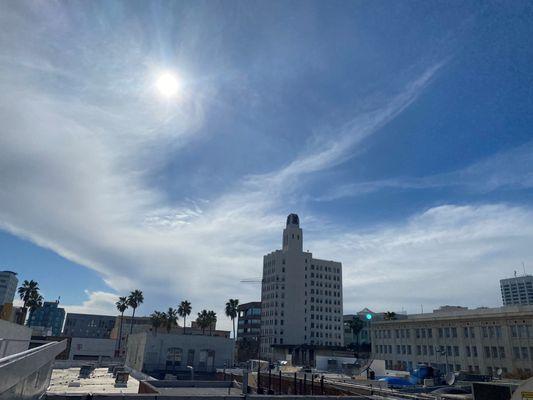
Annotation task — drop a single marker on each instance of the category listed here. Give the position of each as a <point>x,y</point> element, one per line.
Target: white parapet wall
<point>14,338</point>
<point>26,375</point>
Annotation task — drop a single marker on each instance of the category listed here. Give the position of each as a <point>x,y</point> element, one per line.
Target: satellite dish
<point>499,372</point>
<point>450,378</point>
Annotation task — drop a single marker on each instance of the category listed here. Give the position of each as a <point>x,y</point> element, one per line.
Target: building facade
<point>170,353</point>
<point>249,321</point>
<point>301,297</point>
<point>48,319</point>
<point>89,325</point>
<point>517,290</point>
<point>92,349</point>
<point>8,287</point>
<point>481,340</point>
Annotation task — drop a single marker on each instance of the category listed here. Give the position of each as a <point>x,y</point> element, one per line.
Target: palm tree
<point>35,301</point>
<point>28,291</point>
<point>203,320</point>
<point>232,311</point>
<point>135,299</point>
<point>171,318</point>
<point>184,310</point>
<point>157,318</point>
<point>211,321</point>
<point>356,326</point>
<point>122,305</point>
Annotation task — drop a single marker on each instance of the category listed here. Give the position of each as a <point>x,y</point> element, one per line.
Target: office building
<point>249,321</point>
<point>248,331</point>
<point>8,287</point>
<point>481,340</point>
<point>89,325</point>
<point>301,300</point>
<point>48,319</point>
<point>517,290</point>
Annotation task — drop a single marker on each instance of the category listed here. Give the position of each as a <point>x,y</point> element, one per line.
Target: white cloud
<point>447,254</point>
<point>97,302</point>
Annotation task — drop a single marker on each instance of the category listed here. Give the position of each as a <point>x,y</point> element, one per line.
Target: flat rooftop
<point>100,382</point>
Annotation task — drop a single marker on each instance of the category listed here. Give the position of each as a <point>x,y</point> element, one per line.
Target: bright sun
<point>167,84</point>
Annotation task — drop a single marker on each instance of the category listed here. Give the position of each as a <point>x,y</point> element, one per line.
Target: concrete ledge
<point>15,369</point>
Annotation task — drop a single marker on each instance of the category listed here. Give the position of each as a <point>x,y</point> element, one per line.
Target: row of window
<point>491,331</point>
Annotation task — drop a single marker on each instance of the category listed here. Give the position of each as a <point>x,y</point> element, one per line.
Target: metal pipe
<point>295,385</point>
<point>305,383</point>
<point>322,385</point>
<point>312,384</point>
<point>279,381</point>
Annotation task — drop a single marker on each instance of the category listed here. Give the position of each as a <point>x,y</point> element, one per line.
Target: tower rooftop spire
<point>292,219</point>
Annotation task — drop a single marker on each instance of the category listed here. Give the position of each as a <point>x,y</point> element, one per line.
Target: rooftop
<point>100,382</point>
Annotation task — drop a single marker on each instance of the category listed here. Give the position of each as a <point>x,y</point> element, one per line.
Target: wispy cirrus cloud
<point>509,169</point>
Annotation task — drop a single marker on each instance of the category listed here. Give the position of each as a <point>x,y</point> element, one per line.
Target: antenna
<point>515,273</point>
<point>524,267</point>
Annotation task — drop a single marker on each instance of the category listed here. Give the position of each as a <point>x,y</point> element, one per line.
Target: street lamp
<point>442,351</point>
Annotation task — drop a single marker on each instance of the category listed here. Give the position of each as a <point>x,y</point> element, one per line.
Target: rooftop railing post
<point>322,385</point>
<point>312,384</point>
<point>305,383</point>
<point>295,385</point>
<point>279,381</point>
<point>269,379</point>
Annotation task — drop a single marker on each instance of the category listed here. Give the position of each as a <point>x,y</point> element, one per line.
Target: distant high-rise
<point>48,318</point>
<point>8,287</point>
<point>517,290</point>
<point>301,300</point>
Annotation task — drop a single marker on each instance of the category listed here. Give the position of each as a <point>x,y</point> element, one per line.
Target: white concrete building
<point>8,287</point>
<point>301,297</point>
<point>517,290</point>
<point>481,340</point>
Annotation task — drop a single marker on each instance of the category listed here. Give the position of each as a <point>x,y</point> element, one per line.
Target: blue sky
<point>400,132</point>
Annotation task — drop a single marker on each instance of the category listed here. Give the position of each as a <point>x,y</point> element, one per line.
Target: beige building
<point>301,297</point>
<point>481,340</point>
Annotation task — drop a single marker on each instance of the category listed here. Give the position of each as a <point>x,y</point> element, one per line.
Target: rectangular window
<point>468,354</point>
<point>456,351</point>
<point>487,351</point>
<point>454,332</point>
<point>502,351</point>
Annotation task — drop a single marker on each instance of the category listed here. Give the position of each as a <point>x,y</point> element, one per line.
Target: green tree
<point>29,294</point>
<point>35,301</point>
<point>171,318</point>
<point>157,318</point>
<point>355,326</point>
<point>212,321</point>
<point>202,320</point>
<point>135,299</point>
<point>184,310</point>
<point>122,305</point>
<point>232,306</point>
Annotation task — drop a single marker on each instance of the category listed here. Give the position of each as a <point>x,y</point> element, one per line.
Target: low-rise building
<point>92,349</point>
<point>482,340</point>
<point>168,353</point>
<point>89,325</point>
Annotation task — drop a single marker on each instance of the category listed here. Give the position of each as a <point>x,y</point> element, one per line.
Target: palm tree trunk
<point>184,325</point>
<point>132,318</point>
<point>120,332</point>
<point>234,337</point>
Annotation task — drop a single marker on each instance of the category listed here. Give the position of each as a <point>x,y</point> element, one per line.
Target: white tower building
<point>301,299</point>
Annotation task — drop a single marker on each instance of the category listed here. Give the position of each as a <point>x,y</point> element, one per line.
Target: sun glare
<point>167,84</point>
